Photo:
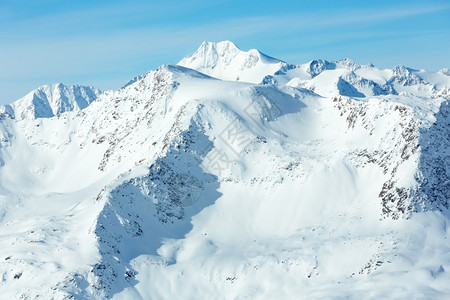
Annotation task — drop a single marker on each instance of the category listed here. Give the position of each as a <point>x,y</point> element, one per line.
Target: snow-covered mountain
<point>344,77</point>
<point>226,61</point>
<point>50,100</point>
<point>233,176</point>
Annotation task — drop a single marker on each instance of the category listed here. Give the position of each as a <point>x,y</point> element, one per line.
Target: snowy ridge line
<point>50,100</point>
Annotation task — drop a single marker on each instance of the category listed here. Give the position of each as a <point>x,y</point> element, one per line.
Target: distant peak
<point>49,100</point>
<point>348,64</point>
<point>226,61</point>
<point>445,71</point>
<point>400,68</point>
<point>346,61</point>
<point>317,66</point>
<point>62,86</point>
<point>211,50</point>
<point>405,76</point>
<point>209,53</point>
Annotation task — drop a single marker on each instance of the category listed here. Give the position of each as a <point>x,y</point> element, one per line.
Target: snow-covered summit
<point>225,60</point>
<point>50,100</point>
<point>317,66</point>
<point>445,71</point>
<point>405,76</point>
<point>348,63</point>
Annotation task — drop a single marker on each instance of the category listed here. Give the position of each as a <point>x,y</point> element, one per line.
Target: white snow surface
<point>231,175</point>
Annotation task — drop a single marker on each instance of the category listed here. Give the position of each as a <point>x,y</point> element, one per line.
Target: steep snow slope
<point>50,100</point>
<point>184,184</point>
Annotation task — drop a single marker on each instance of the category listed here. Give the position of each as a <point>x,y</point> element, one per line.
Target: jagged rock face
<point>149,97</point>
<point>318,66</point>
<point>6,111</point>
<point>426,147</point>
<point>353,85</point>
<point>404,76</point>
<point>139,208</point>
<point>186,182</point>
<point>348,63</point>
<point>433,174</point>
<point>347,89</point>
<point>397,201</point>
<point>443,93</point>
<point>269,79</point>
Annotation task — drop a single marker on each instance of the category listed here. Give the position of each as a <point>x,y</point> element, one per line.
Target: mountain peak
<point>224,60</point>
<point>222,46</point>
<point>445,71</point>
<point>209,54</point>
<point>348,64</point>
<point>317,66</point>
<point>52,99</point>
<point>405,76</point>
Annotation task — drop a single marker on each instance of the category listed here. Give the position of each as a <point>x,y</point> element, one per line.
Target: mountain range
<point>230,175</point>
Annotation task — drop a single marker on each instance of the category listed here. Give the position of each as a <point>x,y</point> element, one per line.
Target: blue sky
<point>105,43</point>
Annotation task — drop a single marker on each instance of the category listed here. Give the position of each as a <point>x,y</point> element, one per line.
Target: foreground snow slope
<point>216,188</point>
